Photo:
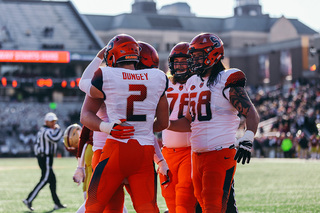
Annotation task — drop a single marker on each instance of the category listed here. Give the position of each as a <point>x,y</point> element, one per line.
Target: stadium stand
<point>34,25</point>
<point>285,110</point>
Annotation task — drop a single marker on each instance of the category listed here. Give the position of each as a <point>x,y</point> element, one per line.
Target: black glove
<point>244,145</point>
<point>244,152</point>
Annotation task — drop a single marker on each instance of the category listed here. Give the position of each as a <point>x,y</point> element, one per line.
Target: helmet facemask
<point>198,65</point>
<point>206,50</point>
<point>178,62</point>
<point>180,70</point>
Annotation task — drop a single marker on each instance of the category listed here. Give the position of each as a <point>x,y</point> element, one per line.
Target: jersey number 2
<point>132,98</point>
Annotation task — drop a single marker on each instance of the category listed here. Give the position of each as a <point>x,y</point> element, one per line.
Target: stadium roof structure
<point>46,25</point>
<point>149,21</point>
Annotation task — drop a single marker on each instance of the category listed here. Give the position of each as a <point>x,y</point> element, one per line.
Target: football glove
<point>244,145</point>
<point>167,179</point>
<point>163,167</point>
<point>118,129</point>
<point>79,175</point>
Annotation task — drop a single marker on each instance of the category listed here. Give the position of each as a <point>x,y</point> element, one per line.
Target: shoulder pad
<point>236,79</point>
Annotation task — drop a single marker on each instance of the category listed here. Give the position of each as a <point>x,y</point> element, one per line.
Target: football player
<point>216,97</point>
<point>127,95</point>
<point>99,138</point>
<point>178,194</point>
<point>84,156</point>
<point>148,59</point>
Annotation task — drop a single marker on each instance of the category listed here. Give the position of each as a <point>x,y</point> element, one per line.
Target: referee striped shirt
<point>47,140</point>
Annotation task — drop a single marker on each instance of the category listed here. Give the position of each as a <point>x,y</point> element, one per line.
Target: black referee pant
<point>47,176</point>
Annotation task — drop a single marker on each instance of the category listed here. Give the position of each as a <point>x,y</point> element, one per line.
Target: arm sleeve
<point>157,155</point>
<point>85,80</point>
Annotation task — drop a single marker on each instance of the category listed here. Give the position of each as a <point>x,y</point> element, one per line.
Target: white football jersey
<point>177,95</point>
<point>215,120</point>
<point>132,95</point>
<point>99,138</point>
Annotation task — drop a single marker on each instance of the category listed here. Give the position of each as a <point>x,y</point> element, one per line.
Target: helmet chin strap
<point>203,72</point>
<point>180,78</point>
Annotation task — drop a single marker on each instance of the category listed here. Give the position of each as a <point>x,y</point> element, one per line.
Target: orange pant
<point>119,161</point>
<point>179,195</point>
<point>95,158</point>
<point>116,203</point>
<point>212,178</point>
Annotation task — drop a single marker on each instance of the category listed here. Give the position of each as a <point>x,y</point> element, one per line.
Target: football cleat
<point>28,205</point>
<point>59,206</point>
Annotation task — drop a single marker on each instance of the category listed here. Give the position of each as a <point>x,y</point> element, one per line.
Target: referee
<point>45,147</point>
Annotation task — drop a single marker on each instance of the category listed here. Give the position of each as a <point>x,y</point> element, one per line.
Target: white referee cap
<point>50,116</point>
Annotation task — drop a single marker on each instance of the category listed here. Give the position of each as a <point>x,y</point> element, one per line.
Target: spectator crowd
<point>293,110</point>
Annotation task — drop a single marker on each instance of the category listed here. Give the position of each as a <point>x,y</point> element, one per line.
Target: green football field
<point>265,185</point>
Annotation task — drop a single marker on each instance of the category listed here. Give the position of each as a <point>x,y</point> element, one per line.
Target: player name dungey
<point>132,76</point>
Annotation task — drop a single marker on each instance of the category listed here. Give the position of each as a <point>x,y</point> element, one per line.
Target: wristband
<point>160,161</point>
<point>106,127</point>
<point>249,135</point>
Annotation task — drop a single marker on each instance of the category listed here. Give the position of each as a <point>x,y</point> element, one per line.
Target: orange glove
<point>118,129</point>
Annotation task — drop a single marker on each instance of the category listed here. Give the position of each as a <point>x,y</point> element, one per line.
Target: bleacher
<point>57,24</point>
<point>22,120</point>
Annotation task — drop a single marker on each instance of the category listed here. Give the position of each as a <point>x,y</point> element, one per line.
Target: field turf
<point>265,185</point>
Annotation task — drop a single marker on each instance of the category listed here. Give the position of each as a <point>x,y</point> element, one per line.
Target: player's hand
<point>244,145</point>
<point>101,53</point>
<point>167,178</point>
<point>163,167</point>
<point>118,129</point>
<point>79,175</point>
<point>122,130</point>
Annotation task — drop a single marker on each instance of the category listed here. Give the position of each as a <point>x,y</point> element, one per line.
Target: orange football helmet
<point>179,50</point>
<point>121,48</point>
<point>212,47</point>
<point>149,57</point>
